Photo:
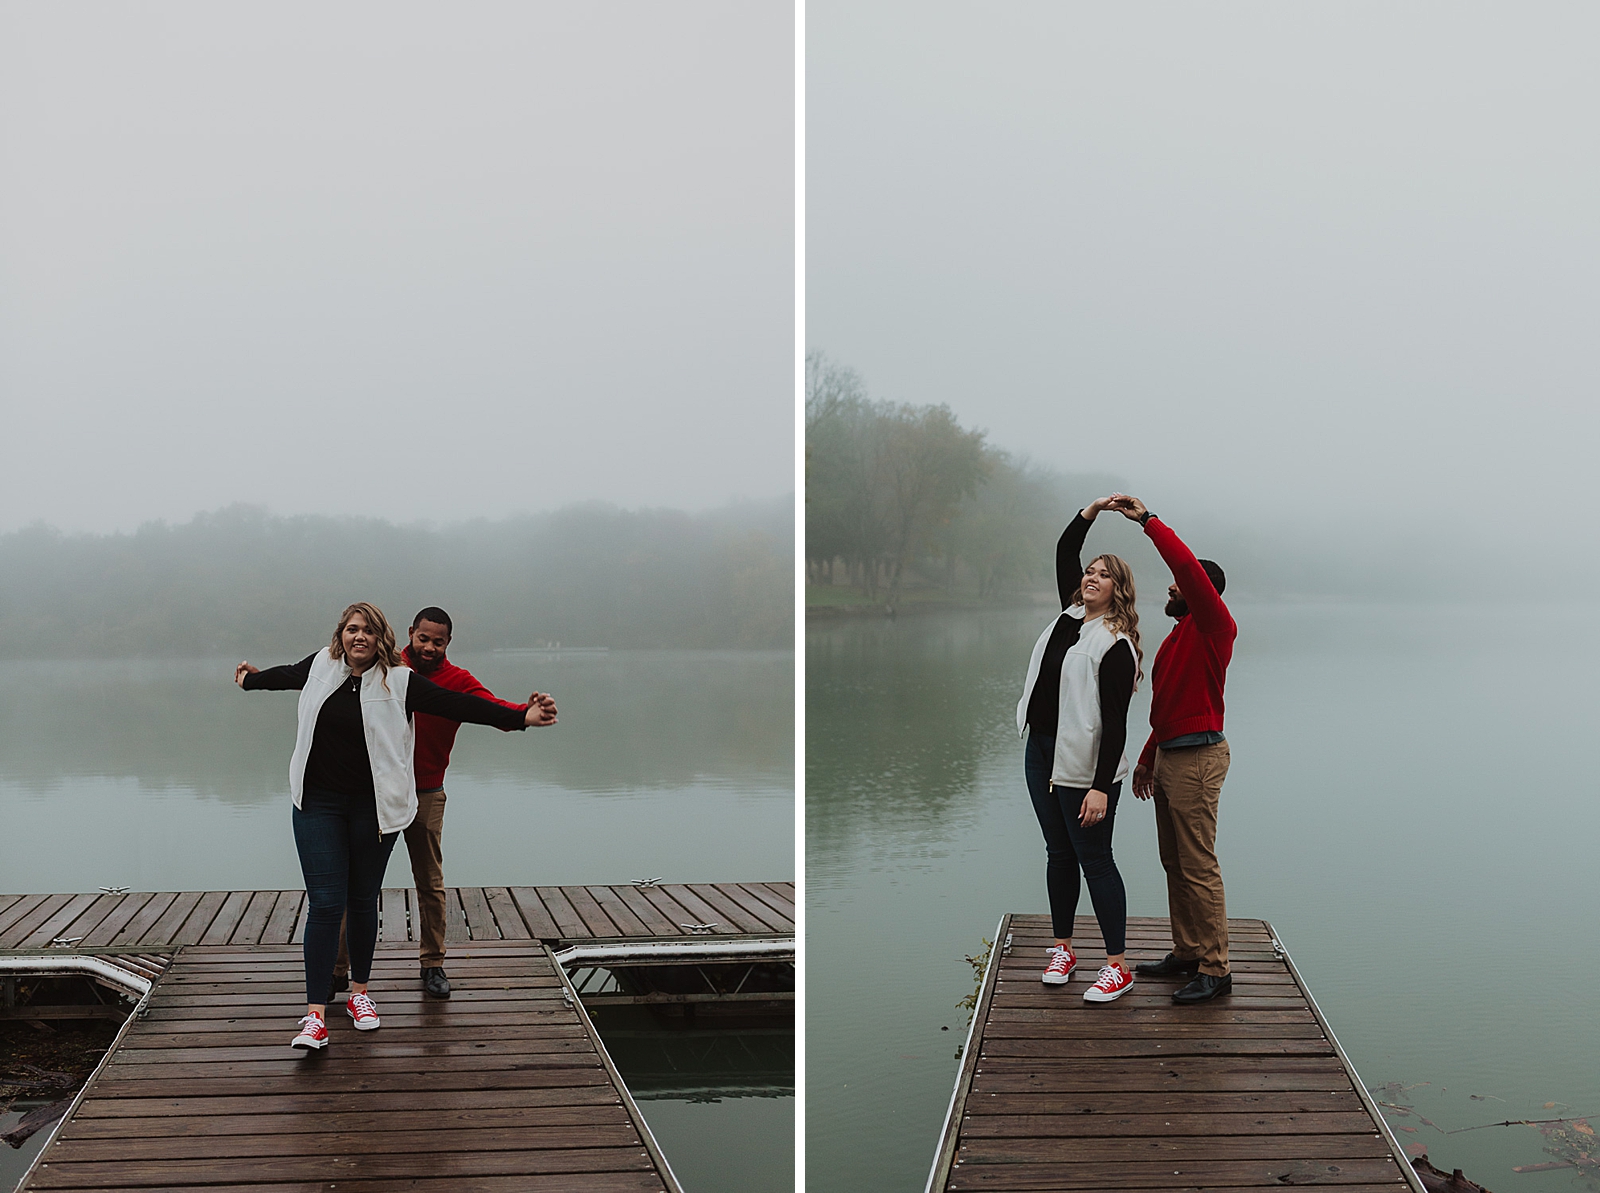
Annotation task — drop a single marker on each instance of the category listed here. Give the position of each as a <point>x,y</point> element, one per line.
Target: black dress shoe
<point>1170,966</point>
<point>339,984</point>
<point>434,983</point>
<point>1204,988</point>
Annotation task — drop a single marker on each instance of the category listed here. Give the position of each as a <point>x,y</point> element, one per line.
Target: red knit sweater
<point>1191,666</point>
<point>436,735</point>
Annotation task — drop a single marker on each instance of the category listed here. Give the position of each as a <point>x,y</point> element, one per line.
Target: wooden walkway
<point>1248,1091</point>
<point>557,914</point>
<point>503,1087</point>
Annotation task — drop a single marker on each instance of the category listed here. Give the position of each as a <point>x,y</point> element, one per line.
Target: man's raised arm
<point>1210,615</point>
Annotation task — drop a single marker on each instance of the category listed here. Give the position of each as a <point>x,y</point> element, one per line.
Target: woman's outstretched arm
<point>1069,550</point>
<point>291,677</point>
<point>423,695</point>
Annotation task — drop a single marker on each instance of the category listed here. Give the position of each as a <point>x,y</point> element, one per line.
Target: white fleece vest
<point>1078,724</point>
<point>391,739</point>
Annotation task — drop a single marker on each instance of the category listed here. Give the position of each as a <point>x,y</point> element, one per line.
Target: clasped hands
<point>1129,507</point>
<point>541,710</point>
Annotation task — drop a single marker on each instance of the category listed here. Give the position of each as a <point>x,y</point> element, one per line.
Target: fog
<point>1325,269</point>
<point>400,261</point>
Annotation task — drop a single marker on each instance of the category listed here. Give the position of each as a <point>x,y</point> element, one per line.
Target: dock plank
<point>455,916</point>
<point>392,922</point>
<point>1248,1091</point>
<point>627,923</point>
<point>29,919</point>
<point>729,910</point>
<point>535,916</point>
<point>776,895</point>
<point>649,915</point>
<point>205,910</point>
<point>59,922</point>
<point>506,916</point>
<point>228,917</point>
<point>480,921</point>
<point>590,912</point>
<point>567,920</point>
<point>700,912</point>
<point>254,920</point>
<point>144,919</point>
<point>116,920</point>
<point>674,912</point>
<point>286,916</point>
<point>166,928</point>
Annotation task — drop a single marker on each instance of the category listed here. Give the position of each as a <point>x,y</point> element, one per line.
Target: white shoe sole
<point>308,1044</point>
<point>365,1025</point>
<point>1056,979</point>
<point>1095,995</point>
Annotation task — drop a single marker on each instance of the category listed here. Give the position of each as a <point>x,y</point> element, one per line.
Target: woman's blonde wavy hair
<point>388,655</point>
<point>1123,616</point>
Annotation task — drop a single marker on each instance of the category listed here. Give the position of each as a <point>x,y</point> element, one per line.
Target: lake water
<point>1409,804</point>
<point>671,764</point>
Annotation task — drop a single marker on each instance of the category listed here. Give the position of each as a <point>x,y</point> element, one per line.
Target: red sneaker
<point>313,1033</point>
<point>1062,962</point>
<point>1109,986</point>
<point>364,1011</point>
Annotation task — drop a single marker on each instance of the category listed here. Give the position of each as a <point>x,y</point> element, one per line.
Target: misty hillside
<point>243,581</point>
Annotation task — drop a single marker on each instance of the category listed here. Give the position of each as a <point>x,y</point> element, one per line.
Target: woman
<point>354,789</point>
<point>1074,710</point>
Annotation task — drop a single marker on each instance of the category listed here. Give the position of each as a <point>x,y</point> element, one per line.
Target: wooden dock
<point>1250,1091</point>
<point>505,1086</point>
<point>555,914</point>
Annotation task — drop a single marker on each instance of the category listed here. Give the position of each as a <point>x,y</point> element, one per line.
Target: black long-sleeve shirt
<point>339,761</point>
<point>1118,669</point>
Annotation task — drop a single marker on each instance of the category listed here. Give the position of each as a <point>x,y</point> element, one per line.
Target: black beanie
<point>1218,580</point>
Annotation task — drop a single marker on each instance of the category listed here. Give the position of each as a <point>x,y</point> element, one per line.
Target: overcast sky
<point>1295,259</point>
<point>416,261</point>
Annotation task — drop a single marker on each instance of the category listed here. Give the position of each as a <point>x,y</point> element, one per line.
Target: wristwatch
<point>1146,516</point>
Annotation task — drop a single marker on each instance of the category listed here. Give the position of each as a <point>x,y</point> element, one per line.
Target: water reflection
<point>629,720</point>
<point>720,1101</point>
<point>164,776</point>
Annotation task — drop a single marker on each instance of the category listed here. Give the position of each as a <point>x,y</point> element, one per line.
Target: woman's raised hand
<point>1095,506</point>
<point>242,670</point>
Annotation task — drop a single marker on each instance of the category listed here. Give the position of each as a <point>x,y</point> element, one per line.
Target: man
<point>425,654</point>
<point>1185,761</point>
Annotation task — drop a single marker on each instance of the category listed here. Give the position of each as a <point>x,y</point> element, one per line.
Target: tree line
<point>898,494</point>
<point>241,580</point>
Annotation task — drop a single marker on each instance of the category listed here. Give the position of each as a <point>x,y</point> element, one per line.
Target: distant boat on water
<point>552,648</point>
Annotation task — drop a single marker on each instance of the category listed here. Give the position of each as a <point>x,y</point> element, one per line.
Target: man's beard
<point>1177,607</point>
<point>423,665</point>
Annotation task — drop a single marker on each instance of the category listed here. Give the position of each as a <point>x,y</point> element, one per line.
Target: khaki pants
<point>1188,787</point>
<point>424,842</point>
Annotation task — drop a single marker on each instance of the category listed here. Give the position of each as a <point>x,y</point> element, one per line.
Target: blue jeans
<point>1070,847</point>
<point>343,857</point>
